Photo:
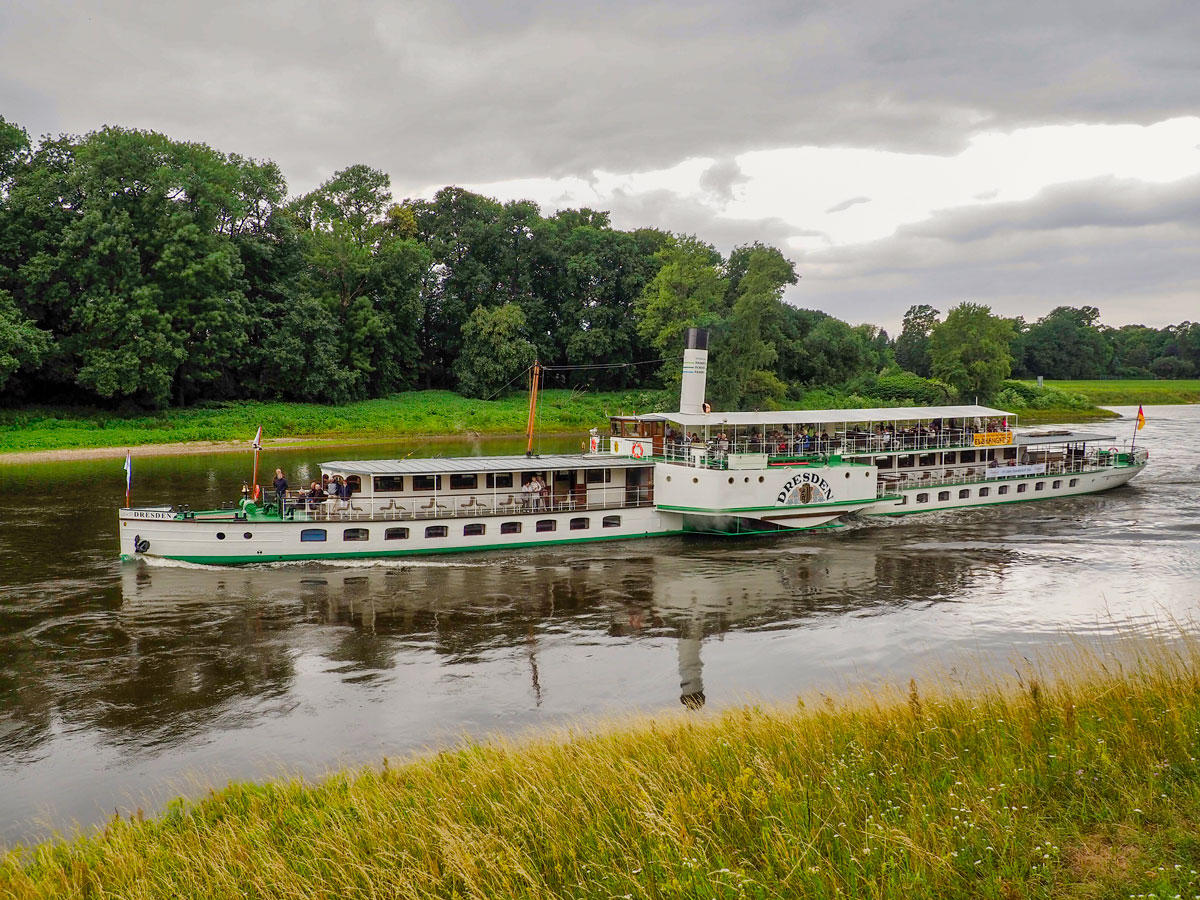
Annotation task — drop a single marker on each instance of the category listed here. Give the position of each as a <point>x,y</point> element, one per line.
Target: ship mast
<point>533,398</point>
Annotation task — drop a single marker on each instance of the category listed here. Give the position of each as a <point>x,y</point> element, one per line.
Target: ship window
<point>247,535</point>
<point>437,531</point>
<point>354,483</point>
<point>964,494</point>
<point>983,492</point>
<point>947,458</point>
<point>598,476</point>
<point>501,480</point>
<point>943,495</point>
<point>546,525</point>
<point>1041,486</point>
<point>1022,488</point>
<point>1010,453</point>
<point>967,456</point>
<point>927,459</point>
<point>510,527</point>
<point>1003,489</point>
<point>396,534</point>
<point>922,498</point>
<point>886,462</point>
<point>355,534</point>
<point>464,482</point>
<point>220,535</point>
<point>312,534</point>
<point>1057,485</point>
<point>581,524</point>
<point>389,484</point>
<point>426,482</point>
<point>905,462</point>
<point>474,530</point>
<point>1073,482</point>
<point>612,521</point>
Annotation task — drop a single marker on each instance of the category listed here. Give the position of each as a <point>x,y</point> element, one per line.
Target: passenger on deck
<point>281,487</point>
<point>315,496</point>
<point>341,494</point>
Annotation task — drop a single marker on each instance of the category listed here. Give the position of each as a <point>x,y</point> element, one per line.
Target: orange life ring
<point>638,451</point>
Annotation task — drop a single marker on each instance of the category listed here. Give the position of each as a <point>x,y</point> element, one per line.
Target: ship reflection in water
<point>368,619</point>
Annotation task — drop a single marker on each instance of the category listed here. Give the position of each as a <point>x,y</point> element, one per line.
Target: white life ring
<point>638,451</point>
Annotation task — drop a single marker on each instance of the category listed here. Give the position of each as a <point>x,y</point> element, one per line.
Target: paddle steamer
<point>693,470</point>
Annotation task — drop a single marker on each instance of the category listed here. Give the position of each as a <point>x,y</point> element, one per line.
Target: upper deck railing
<point>299,507</point>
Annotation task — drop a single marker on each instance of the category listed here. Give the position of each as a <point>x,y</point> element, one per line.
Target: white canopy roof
<point>823,416</point>
<point>466,464</point>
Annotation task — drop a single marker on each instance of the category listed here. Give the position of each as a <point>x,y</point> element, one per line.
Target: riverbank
<point>1132,392</point>
<point>1081,785</point>
<point>42,434</point>
<point>49,434</point>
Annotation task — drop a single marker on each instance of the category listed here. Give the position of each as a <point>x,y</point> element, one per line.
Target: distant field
<point>413,413</point>
<point>1129,392</point>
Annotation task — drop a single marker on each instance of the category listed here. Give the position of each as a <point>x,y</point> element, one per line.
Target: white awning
<point>824,416</point>
<point>467,464</point>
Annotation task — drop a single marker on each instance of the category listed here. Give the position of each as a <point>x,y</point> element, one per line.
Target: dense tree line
<point>136,270</point>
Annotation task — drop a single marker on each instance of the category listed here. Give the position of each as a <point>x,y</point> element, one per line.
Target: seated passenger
<point>315,496</point>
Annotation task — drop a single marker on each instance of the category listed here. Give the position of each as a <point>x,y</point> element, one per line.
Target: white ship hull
<point>224,541</point>
<point>964,495</point>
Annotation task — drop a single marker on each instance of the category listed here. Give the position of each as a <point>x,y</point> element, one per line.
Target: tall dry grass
<point>1078,779</point>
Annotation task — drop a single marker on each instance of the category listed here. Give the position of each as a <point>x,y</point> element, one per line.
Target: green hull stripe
<point>380,554</point>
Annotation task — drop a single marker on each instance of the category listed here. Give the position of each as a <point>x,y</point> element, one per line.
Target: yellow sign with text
<point>993,438</point>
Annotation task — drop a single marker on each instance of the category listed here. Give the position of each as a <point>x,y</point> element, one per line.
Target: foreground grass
<point>1133,391</point>
<point>1083,788</point>
<point>413,413</point>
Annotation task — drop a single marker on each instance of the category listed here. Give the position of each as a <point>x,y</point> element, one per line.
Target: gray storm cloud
<point>445,92</point>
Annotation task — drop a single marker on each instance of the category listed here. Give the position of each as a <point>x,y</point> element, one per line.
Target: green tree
<point>22,344</point>
<point>745,355</point>
<point>688,290</point>
<point>1067,343</point>
<point>495,349</point>
<point>912,346</point>
<point>969,351</point>
<point>366,267</point>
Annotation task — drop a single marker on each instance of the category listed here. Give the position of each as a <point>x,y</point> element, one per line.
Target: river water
<point>124,684</point>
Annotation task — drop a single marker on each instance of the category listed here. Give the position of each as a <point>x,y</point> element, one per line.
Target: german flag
<point>1141,419</point>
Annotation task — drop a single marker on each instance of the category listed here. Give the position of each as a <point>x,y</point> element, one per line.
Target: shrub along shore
<point>1086,785</point>
<point>43,430</point>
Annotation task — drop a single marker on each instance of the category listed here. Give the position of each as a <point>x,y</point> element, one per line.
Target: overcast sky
<point>1019,154</point>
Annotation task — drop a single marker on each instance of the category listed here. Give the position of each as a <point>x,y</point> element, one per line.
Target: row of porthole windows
<point>475,529</point>
<point>965,493</point>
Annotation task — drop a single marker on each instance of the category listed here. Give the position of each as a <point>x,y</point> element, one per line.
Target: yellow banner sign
<point>993,438</point>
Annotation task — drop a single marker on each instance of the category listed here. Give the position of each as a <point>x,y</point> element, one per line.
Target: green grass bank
<point>1083,787</point>
<point>1133,391</point>
<point>402,415</point>
<point>423,413</point>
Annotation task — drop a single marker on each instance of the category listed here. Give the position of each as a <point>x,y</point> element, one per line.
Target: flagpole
<point>257,447</point>
<point>1138,421</point>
